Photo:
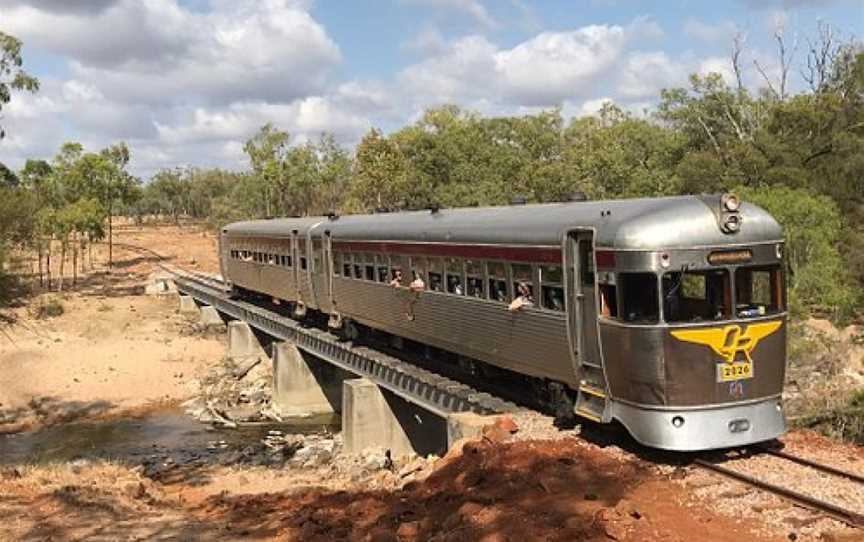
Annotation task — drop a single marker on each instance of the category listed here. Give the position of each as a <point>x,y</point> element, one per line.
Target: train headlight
<point>730,202</point>
<point>665,261</point>
<point>731,223</point>
<point>778,250</point>
<point>739,426</point>
<point>677,421</point>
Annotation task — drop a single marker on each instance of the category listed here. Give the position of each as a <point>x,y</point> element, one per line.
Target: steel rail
<point>849,517</point>
<point>828,469</point>
<point>433,392</point>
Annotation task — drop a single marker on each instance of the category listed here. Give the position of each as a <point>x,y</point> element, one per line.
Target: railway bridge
<point>383,401</point>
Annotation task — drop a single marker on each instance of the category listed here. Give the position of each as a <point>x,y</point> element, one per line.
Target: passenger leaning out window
<point>417,284</point>
<point>397,278</point>
<point>524,298</point>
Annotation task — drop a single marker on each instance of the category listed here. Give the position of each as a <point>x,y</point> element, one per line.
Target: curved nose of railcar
<point>698,386</point>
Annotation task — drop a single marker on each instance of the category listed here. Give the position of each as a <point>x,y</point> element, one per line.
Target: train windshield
<point>697,296</point>
<point>758,291</point>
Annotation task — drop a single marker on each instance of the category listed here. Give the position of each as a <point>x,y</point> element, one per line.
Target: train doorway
<point>584,298</point>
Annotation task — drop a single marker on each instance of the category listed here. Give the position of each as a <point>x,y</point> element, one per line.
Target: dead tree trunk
<point>39,255</point>
<point>62,264</point>
<point>74,259</point>
<point>48,265</point>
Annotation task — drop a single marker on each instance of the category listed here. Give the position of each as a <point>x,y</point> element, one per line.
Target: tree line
<point>798,154</point>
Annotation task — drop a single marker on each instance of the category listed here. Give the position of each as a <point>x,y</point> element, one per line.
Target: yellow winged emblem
<point>729,340</point>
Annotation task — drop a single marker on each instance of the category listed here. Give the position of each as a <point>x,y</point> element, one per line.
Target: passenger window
<point>476,273</point>
<point>454,276</point>
<point>358,266</point>
<point>523,275</point>
<point>498,282</point>
<point>346,265</point>
<point>337,264</point>
<point>383,267</point>
<point>639,297</point>
<point>758,291</point>
<point>436,276</point>
<point>695,296</point>
<point>302,262</point>
<point>551,286</point>
<point>586,261</point>
<point>369,266</point>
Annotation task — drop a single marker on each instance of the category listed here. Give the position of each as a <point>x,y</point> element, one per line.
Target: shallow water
<point>134,439</point>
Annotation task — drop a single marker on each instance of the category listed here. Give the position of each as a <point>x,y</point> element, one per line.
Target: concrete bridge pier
<point>210,317</point>
<point>303,385</point>
<point>160,283</point>
<point>373,417</point>
<point>243,344</point>
<point>188,306</point>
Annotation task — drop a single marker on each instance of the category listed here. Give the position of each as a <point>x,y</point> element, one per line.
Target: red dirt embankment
<point>526,490</point>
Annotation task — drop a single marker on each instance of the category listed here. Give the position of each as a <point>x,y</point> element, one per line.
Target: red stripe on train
<point>478,252</point>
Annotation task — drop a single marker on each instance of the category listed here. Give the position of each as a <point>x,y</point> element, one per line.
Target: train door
<point>319,269</point>
<point>586,301</point>
<point>328,270</point>
<point>592,395</point>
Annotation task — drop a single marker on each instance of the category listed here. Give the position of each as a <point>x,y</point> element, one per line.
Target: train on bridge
<point>664,314</point>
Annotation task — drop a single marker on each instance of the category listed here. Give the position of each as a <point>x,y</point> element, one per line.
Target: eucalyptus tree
<point>12,74</point>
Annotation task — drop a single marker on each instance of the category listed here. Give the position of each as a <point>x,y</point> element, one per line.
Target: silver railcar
<point>666,314</point>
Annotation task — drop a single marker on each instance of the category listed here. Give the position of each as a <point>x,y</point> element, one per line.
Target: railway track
<point>832,510</point>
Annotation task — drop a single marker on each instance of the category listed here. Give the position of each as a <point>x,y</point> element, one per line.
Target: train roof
<point>631,224</point>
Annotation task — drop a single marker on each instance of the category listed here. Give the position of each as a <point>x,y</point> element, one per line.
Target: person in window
<point>455,285</point>
<point>523,297</point>
<point>417,285</point>
<point>397,278</point>
<point>554,299</point>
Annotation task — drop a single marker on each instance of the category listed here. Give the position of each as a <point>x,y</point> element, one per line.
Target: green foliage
<point>812,224</point>
<point>12,75</point>
<point>8,179</point>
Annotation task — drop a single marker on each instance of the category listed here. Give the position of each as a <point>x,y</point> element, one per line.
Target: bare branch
<point>766,78</point>
<point>821,55</point>
<point>737,49</point>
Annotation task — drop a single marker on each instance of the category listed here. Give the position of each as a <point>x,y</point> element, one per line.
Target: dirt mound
<point>527,490</point>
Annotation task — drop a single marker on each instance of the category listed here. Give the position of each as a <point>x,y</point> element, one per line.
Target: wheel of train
<point>665,314</point>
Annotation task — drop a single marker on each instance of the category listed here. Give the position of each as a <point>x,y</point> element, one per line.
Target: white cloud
<point>152,51</point>
<point>542,71</point>
<point>557,65</point>
<point>169,80</point>
<point>644,74</point>
<point>721,65</point>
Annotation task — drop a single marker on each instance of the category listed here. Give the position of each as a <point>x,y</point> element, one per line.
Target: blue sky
<point>186,82</point>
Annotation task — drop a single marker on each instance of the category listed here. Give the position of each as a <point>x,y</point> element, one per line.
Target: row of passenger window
<point>493,280</point>
<point>265,258</point>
